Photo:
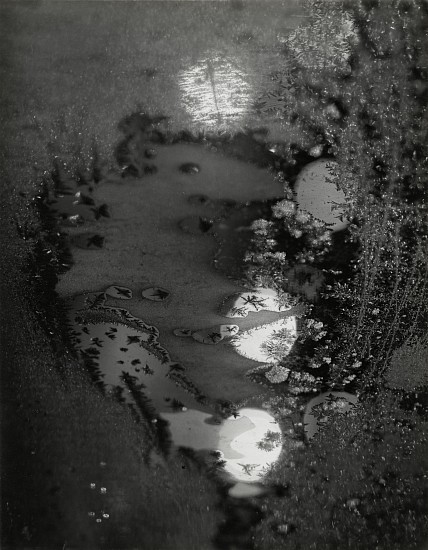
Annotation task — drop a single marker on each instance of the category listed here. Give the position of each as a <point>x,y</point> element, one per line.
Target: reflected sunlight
<point>216,89</point>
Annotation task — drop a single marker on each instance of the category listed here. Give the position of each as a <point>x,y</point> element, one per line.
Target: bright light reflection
<point>216,89</point>
<point>249,443</point>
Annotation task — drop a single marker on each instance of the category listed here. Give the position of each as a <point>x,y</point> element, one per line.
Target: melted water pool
<point>126,359</point>
<point>161,232</point>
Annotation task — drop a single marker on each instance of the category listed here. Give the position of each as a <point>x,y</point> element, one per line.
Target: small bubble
<point>92,485</point>
<point>98,520</point>
<point>103,464</point>
<point>103,490</point>
<point>106,516</point>
<point>91,514</point>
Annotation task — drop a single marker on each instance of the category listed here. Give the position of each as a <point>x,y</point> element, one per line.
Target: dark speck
<point>100,211</point>
<point>190,168</point>
<point>150,153</point>
<point>237,5</point>
<point>199,200</point>
<point>205,224</point>
<point>155,136</point>
<point>95,241</point>
<point>229,203</point>
<point>53,490</point>
<point>130,171</point>
<point>150,169</point>
<point>150,72</point>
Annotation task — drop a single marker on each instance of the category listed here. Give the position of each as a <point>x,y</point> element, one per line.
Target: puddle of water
<point>124,354</point>
<point>316,192</point>
<point>319,409</point>
<point>125,358</point>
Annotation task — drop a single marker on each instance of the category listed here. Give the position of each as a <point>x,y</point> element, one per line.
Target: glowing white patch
<point>255,343</point>
<point>249,443</point>
<point>255,460</point>
<point>215,89</point>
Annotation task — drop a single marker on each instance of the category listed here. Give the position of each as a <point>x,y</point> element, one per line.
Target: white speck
<point>92,485</point>
<point>103,490</point>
